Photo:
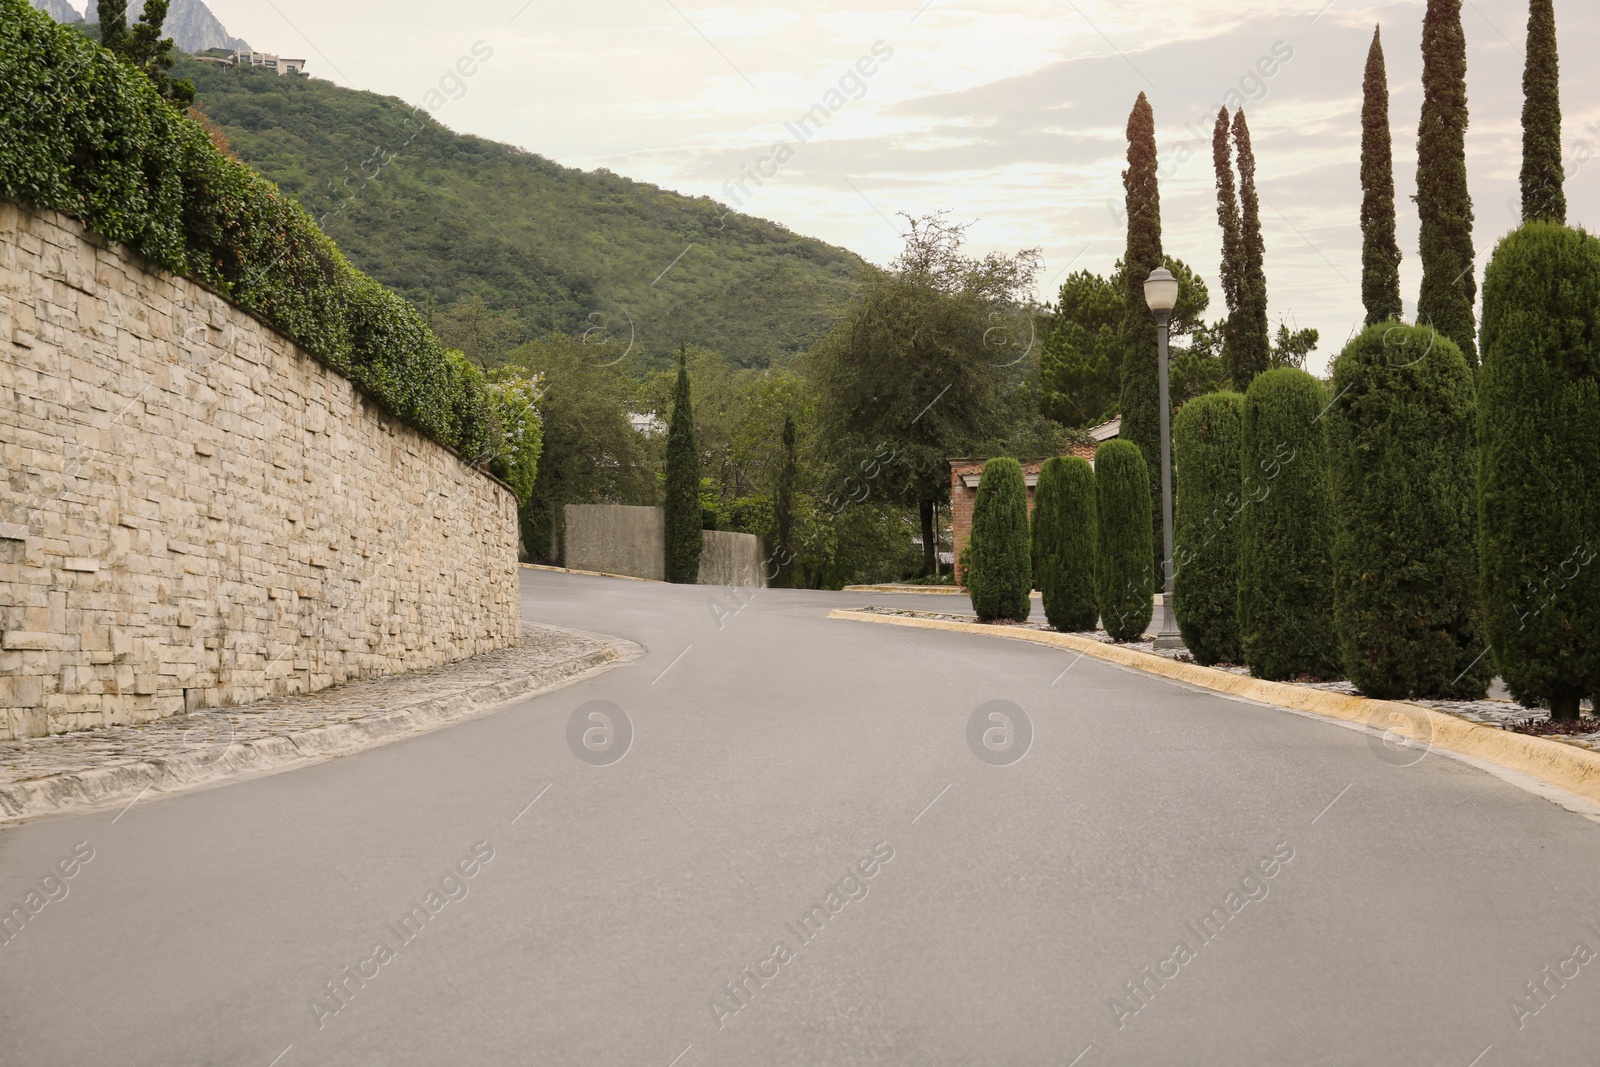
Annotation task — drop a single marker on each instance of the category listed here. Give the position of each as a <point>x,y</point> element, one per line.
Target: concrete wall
<point>619,539</point>
<point>196,512</point>
<point>730,559</point>
<point>615,539</point>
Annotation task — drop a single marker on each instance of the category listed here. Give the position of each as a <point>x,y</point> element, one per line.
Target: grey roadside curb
<point>103,787</point>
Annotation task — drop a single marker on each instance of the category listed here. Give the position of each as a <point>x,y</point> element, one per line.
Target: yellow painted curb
<point>948,590</point>
<point>1568,767</point>
<point>592,574</point>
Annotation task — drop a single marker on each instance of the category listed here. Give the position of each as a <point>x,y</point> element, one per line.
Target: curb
<point>592,574</point>
<point>99,787</point>
<point>1567,767</point>
<point>946,590</point>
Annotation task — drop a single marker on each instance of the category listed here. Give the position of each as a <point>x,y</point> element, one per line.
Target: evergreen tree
<point>1380,254</point>
<point>682,510</point>
<point>1402,445</point>
<point>1064,533</point>
<point>1141,400</point>
<point>1538,508</point>
<point>1000,567</point>
<point>1286,530</point>
<point>1542,176</point>
<point>1205,593</point>
<point>1232,237</point>
<point>1449,287</point>
<point>1123,578</point>
<point>781,567</point>
<point>113,24</point>
<point>1252,342</point>
<point>143,46</point>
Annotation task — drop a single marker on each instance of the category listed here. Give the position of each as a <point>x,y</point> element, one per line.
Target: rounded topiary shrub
<point>1205,546</point>
<point>999,566</point>
<point>1402,452</point>
<point>1124,582</point>
<point>1286,530</point>
<point>1064,532</point>
<point>1539,469</point>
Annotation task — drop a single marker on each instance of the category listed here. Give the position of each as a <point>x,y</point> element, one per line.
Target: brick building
<point>965,472</point>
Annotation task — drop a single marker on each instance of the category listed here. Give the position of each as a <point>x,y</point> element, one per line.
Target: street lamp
<point>1161,293</point>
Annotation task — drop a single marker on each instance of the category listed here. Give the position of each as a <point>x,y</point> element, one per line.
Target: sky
<point>1008,114</point>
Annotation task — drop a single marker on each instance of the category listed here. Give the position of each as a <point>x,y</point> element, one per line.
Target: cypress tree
<point>1000,567</point>
<point>1542,194</point>
<point>1538,505</point>
<point>1402,444</point>
<point>781,567</point>
<point>1380,253</point>
<point>1286,530</point>
<point>1205,594</point>
<point>1228,219</point>
<point>1252,341</point>
<point>113,24</point>
<point>1064,533</point>
<point>1141,399</point>
<point>1123,578</point>
<point>682,511</point>
<point>1449,287</point>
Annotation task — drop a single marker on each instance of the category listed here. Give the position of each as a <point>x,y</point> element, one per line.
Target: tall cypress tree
<point>1449,286</point>
<point>1252,341</point>
<point>1228,219</point>
<point>781,567</point>
<point>1542,193</point>
<point>682,510</point>
<point>113,23</point>
<point>1141,398</point>
<point>1380,253</point>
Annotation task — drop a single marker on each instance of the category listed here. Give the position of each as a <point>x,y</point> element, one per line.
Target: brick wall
<point>196,512</point>
<point>962,498</point>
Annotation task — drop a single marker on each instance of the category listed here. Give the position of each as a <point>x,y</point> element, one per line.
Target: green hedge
<point>1000,574</point>
<point>1064,532</point>
<point>1402,448</point>
<point>1286,530</point>
<point>87,135</point>
<point>1124,582</point>
<point>1539,473</point>
<point>1205,536</point>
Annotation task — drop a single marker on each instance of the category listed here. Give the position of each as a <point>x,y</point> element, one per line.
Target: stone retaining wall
<point>196,512</point>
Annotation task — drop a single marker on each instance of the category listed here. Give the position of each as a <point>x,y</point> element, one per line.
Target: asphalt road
<point>1165,876</point>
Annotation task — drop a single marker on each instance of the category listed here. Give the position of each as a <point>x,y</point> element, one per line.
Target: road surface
<point>809,854</point>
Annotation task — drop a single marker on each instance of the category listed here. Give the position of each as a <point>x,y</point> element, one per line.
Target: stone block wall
<point>195,512</point>
<point>730,559</point>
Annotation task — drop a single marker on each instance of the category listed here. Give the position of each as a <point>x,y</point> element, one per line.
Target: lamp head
<point>1161,291</point>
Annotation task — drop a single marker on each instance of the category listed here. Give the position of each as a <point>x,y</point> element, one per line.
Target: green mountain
<point>501,245</point>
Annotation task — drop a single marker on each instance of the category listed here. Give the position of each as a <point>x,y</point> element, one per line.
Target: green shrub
<point>87,135</point>
<point>1064,531</point>
<point>684,516</point>
<point>1001,570</point>
<point>1205,534</point>
<point>1539,472</point>
<point>1124,582</point>
<point>1402,452</point>
<point>1286,530</point>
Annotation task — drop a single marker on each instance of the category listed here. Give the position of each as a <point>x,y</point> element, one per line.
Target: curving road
<point>1166,876</point>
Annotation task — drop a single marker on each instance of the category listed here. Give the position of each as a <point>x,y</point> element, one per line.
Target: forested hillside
<point>500,245</point>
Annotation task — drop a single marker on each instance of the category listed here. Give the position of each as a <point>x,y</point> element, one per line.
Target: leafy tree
<point>1403,453</point>
<point>1228,218</point>
<point>1380,254</point>
<point>1141,416</point>
<point>1538,508</point>
<point>1205,446</point>
<point>1064,532</point>
<point>1123,578</point>
<point>1286,530</point>
<point>1290,349</point>
<point>1080,365</point>
<point>480,331</point>
<point>1000,574</point>
<point>682,510</point>
<point>1542,194</point>
<point>1252,350</point>
<point>1449,287</point>
<point>592,454</point>
<point>905,378</point>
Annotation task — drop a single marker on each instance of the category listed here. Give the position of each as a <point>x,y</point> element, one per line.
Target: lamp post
<point>1161,293</point>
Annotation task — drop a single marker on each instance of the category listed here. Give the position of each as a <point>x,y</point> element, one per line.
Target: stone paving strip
<point>112,765</point>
